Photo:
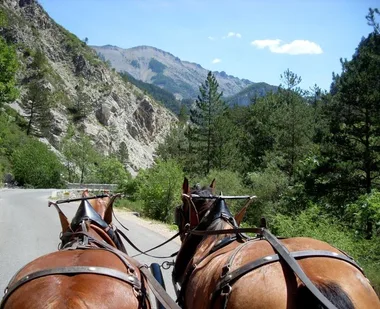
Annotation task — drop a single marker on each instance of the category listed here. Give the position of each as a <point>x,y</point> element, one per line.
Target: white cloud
<point>211,38</point>
<point>232,34</point>
<point>216,60</point>
<point>296,47</point>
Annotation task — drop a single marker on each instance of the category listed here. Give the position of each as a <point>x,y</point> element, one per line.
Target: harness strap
<point>158,290</point>
<point>229,278</point>
<point>70,271</point>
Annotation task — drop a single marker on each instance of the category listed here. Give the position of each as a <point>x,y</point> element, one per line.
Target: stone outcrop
<point>77,76</point>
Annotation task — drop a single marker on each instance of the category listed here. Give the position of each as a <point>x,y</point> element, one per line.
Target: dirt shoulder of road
<point>153,225</point>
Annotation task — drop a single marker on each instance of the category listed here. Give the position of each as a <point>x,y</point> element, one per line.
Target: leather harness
<point>228,277</point>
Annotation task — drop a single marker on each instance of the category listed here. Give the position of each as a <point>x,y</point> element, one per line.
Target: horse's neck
<point>196,248</point>
<point>209,242</point>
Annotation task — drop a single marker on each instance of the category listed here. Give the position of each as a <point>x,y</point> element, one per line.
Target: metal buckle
<point>226,290</point>
<point>167,264</point>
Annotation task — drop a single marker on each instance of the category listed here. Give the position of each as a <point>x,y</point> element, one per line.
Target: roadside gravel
<point>155,226</point>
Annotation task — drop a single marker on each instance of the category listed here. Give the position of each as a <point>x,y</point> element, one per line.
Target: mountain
<point>155,66</point>
<point>116,111</point>
<point>245,96</point>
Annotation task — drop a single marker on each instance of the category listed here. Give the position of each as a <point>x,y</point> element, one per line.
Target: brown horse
<point>236,271</point>
<point>89,271</point>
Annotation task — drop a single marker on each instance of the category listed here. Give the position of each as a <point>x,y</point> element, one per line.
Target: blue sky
<point>253,39</point>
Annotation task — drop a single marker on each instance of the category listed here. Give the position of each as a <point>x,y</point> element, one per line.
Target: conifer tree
<point>205,118</point>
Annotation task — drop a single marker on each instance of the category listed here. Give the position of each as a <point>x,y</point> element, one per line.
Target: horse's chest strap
<point>70,271</point>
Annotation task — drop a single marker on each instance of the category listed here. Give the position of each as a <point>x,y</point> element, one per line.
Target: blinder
<point>178,214</point>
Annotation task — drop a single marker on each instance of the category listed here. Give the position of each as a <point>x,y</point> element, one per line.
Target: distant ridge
<point>152,65</point>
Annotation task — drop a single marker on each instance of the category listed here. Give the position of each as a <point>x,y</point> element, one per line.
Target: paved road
<point>30,229</point>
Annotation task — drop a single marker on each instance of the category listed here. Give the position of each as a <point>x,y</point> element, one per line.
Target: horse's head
<point>93,217</point>
<point>195,203</point>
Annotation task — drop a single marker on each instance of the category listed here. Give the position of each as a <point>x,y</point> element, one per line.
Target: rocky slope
<point>116,110</point>
<point>161,68</point>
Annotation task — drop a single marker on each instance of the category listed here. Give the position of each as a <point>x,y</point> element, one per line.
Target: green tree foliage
<point>156,66</point>
<point>68,149</point>
<point>364,214</point>
<point>82,104</point>
<point>11,138</point>
<point>159,190</point>
<point>85,156</point>
<point>161,95</point>
<point>206,122</point>
<point>110,170</point>
<point>293,124</point>
<point>278,129</point>
<point>123,154</point>
<point>175,146</point>
<point>80,155</point>
<point>317,223</point>
<point>350,162</point>
<point>8,69</point>
<point>38,100</point>
<point>35,165</point>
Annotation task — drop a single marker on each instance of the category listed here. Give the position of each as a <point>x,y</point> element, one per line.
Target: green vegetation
<point>8,69</point>
<point>172,86</point>
<point>135,64</point>
<point>244,96</point>
<point>157,189</point>
<point>160,95</point>
<point>34,165</point>
<point>156,66</point>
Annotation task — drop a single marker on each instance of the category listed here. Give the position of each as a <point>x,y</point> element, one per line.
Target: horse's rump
<point>78,290</point>
<point>274,285</point>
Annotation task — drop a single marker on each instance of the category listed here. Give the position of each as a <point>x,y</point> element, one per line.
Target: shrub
<point>315,223</point>
<point>35,165</point>
<point>160,190</point>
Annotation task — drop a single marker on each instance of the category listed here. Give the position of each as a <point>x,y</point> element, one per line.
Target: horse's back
<point>73,291</point>
<point>274,285</point>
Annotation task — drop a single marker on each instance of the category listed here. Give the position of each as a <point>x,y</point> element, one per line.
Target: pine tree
<point>8,69</point>
<point>38,101</point>
<point>293,121</point>
<point>205,123</point>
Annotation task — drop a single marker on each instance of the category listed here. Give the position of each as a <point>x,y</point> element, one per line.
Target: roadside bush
<point>111,170</point>
<point>364,214</point>
<point>160,190</point>
<point>35,165</point>
<point>315,223</point>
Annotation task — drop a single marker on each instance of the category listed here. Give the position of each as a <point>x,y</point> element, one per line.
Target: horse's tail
<point>332,291</point>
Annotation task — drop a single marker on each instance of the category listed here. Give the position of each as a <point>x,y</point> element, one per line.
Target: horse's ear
<point>239,216</point>
<point>185,186</point>
<point>109,210</point>
<point>85,193</point>
<point>212,186</point>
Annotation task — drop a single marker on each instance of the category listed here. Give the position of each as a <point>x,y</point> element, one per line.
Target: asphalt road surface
<point>30,229</point>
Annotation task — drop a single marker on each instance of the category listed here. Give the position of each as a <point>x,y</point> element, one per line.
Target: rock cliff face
<point>115,110</point>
